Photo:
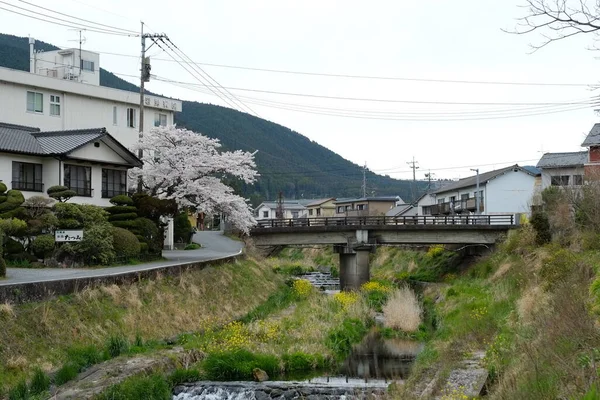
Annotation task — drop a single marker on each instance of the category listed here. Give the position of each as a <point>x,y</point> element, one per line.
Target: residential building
<point>503,191</point>
<point>365,206</point>
<point>321,208</point>
<point>291,209</point>
<point>592,164</point>
<point>563,169</point>
<point>90,162</point>
<point>62,92</point>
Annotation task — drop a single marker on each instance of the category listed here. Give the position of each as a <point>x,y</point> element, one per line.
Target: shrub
<point>40,382</point>
<point>69,216</point>
<point>121,209</point>
<point>150,233</point>
<point>346,299</point>
<point>557,266</point>
<point>92,215</point>
<point>95,248</point>
<point>60,193</point>
<point>116,346</point>
<point>340,339</point>
<point>541,225</point>
<point>122,217</point>
<point>2,187</point>
<point>14,199</point>
<point>590,241</point>
<point>152,387</point>
<point>122,200</point>
<point>43,245</point>
<point>125,244</point>
<point>302,287</point>
<point>238,364</point>
<point>403,311</point>
<point>2,268</point>
<point>182,228</point>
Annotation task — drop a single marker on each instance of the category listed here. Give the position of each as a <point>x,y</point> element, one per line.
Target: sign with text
<point>68,235</point>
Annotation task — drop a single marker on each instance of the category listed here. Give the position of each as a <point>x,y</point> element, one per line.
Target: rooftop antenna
<point>82,39</point>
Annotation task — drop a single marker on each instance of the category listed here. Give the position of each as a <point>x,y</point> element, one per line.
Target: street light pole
<point>477,197</point>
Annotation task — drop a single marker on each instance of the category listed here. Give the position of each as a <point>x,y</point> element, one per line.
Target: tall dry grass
<point>403,310</point>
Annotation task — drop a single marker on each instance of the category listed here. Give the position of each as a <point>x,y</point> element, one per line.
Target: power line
<point>81,19</point>
<point>78,26</point>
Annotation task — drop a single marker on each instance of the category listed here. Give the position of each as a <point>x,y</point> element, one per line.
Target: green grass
<point>180,376</point>
<point>340,339</point>
<point>141,387</point>
<point>238,365</point>
<point>277,301</point>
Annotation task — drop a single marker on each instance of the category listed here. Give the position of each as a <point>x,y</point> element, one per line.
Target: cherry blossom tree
<point>189,168</point>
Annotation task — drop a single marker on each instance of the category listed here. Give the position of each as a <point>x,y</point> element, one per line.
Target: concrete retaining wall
<point>37,291</point>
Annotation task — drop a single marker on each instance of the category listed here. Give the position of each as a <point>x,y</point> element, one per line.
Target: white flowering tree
<point>189,168</point>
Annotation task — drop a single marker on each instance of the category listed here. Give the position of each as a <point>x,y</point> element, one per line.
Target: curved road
<point>214,246</point>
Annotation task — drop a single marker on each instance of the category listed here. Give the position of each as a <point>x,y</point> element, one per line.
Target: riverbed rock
<point>260,375</point>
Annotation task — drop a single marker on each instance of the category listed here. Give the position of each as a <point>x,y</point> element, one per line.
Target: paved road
<point>215,246</point>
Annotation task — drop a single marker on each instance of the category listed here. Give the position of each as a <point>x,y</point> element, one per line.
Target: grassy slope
<point>40,333</point>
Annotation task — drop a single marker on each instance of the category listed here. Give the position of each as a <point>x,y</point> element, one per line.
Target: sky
<point>459,40</point>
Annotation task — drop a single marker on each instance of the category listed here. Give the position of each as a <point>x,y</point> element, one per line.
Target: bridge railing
<point>383,220</point>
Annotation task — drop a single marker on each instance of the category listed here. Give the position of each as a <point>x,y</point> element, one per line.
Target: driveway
<point>214,246</point>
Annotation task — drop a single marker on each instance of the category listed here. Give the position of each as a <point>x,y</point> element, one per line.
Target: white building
<point>503,191</point>
<point>291,209</point>
<point>563,169</point>
<point>62,92</point>
<point>89,161</point>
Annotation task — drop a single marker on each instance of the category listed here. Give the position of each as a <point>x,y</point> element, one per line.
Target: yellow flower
<point>302,287</point>
<point>374,287</point>
<point>346,299</point>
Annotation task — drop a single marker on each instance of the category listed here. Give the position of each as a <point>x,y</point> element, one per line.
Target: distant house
<point>592,164</point>
<point>88,161</point>
<point>502,191</point>
<point>321,208</point>
<point>365,206</point>
<point>563,169</point>
<point>291,209</point>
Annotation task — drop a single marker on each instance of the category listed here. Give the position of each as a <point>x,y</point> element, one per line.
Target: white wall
<point>548,173</point>
<point>68,61</point>
<point>260,216</point>
<point>101,153</point>
<point>509,193</point>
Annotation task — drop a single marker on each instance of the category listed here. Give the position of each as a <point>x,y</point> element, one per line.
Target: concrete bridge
<point>354,238</point>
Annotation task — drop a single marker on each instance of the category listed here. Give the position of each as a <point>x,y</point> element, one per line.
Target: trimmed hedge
<point>2,187</point>
<point>125,243</point>
<point>121,200</point>
<point>122,217</point>
<point>13,247</point>
<point>60,193</point>
<point>121,209</point>
<point>43,245</point>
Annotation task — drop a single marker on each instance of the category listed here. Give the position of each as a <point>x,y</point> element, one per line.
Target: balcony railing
<point>458,206</point>
<point>28,186</point>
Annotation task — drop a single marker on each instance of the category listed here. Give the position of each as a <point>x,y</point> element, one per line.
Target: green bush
<point>541,225</point>
<point>182,228</point>
<point>84,356</point>
<point>180,376</point>
<point>22,257</point>
<point>152,387</point>
<point>69,215</point>
<point>2,268</point>
<point>116,346</point>
<point>66,373</point>
<point>122,200</point>
<point>129,225</point>
<point>40,382</point>
<point>558,266</point>
<point>92,215</point>
<point>11,246</point>
<point>121,209</point>
<point>14,199</point>
<point>2,188</point>
<point>125,244</point>
<point>60,193</point>
<point>122,217</point>
<point>193,246</point>
<point>151,234</point>
<point>238,364</point>
<point>95,248</point>
<point>590,241</point>
<point>43,245</point>
<point>340,339</point>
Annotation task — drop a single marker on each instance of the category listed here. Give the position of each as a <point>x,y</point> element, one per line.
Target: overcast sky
<point>444,40</point>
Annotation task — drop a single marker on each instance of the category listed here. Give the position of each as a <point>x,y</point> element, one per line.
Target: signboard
<point>68,235</point>
<point>165,104</point>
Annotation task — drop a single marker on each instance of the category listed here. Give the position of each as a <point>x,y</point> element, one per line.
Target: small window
<point>55,105</point>
<point>265,214</point>
<point>87,65</point>
<point>310,212</point>
<point>361,207</point>
<point>160,119</point>
<point>131,120</point>
<point>452,199</point>
<point>114,182</point>
<point>440,200</point>
<point>27,176</point>
<point>294,214</point>
<point>79,179</point>
<point>114,115</point>
<point>35,102</point>
<point>559,180</point>
<point>341,209</point>
<point>426,210</point>
<point>577,180</point>
<point>464,196</point>
<point>318,212</point>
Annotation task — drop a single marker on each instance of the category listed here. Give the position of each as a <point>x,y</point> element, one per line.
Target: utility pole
<point>429,176</point>
<point>279,210</point>
<point>413,165</point>
<point>477,200</point>
<point>144,77</point>
<point>364,184</point>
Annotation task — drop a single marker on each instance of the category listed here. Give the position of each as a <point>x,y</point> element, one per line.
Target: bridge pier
<point>354,261</point>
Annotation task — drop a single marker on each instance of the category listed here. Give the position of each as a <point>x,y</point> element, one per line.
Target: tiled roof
<point>319,202</point>
<point>63,142</point>
<point>19,139</point>
<point>389,198</point>
<point>483,178</point>
<point>563,160</point>
<point>593,138</point>
<point>398,210</point>
<point>287,205</point>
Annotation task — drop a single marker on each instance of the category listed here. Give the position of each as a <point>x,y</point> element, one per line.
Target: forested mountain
<point>287,161</point>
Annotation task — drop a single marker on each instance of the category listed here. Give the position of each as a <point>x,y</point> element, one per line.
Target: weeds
<point>152,387</point>
<point>403,310</point>
<point>238,364</point>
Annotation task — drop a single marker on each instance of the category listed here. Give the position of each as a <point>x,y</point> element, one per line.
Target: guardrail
<point>382,220</point>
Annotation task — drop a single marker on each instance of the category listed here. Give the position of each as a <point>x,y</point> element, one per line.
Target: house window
<point>35,102</point>
<point>440,200</point>
<point>464,196</point>
<point>559,180</point>
<point>361,207</point>
<point>87,65</point>
<point>54,105</point>
<point>341,209</point>
<point>577,180</point>
<point>265,214</point>
<point>426,210</point>
<point>310,212</point>
<point>114,182</point>
<point>294,214</point>
<point>160,119</point>
<point>452,199</point>
<point>27,176</point>
<point>318,212</point>
<point>114,115</point>
<point>79,179</point>
<point>131,120</point>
